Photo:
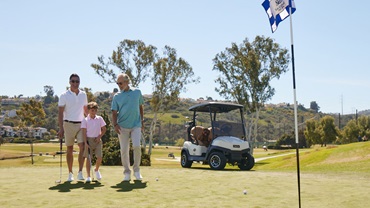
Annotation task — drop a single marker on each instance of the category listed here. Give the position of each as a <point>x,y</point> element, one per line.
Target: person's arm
<point>84,134</point>
<point>114,120</point>
<point>103,130</point>
<point>60,122</point>
<point>86,111</point>
<point>142,116</point>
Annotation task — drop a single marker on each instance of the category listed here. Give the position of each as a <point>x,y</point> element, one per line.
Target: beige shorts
<point>72,132</point>
<point>95,148</point>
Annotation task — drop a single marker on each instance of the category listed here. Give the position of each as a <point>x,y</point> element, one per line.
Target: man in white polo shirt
<point>72,109</point>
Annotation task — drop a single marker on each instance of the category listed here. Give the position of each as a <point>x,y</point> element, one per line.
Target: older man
<point>127,116</point>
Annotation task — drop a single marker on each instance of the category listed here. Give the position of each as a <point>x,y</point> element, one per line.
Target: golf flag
<point>277,11</point>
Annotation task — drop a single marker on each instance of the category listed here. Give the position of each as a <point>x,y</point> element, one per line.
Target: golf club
<point>60,162</point>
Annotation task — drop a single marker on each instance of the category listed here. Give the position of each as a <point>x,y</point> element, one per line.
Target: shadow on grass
<point>68,186</point>
<point>126,186</point>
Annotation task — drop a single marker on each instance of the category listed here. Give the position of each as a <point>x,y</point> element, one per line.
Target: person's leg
<point>81,158</point>
<point>69,142</point>
<point>99,155</point>
<point>124,149</point>
<point>81,146</point>
<point>69,158</point>
<point>136,138</point>
<point>98,163</point>
<point>86,156</point>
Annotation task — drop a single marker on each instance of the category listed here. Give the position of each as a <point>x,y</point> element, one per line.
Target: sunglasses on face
<point>121,83</point>
<point>75,81</point>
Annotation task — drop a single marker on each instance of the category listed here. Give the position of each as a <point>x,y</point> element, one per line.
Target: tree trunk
<point>152,129</point>
<point>255,127</point>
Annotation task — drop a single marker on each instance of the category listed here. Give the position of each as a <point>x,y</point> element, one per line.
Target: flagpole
<point>295,106</point>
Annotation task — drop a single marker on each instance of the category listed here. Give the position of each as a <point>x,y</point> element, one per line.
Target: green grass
<point>334,176</point>
<point>351,158</point>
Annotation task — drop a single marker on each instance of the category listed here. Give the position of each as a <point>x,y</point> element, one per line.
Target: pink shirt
<point>92,125</point>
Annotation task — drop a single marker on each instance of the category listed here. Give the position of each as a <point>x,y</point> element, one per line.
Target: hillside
<point>275,120</point>
<point>349,158</point>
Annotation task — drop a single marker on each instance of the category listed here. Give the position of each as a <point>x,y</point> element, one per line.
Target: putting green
<point>34,186</point>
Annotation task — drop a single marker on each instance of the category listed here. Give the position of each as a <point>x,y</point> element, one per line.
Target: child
<point>93,128</point>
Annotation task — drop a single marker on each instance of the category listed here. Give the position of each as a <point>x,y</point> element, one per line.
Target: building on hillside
<point>28,132</point>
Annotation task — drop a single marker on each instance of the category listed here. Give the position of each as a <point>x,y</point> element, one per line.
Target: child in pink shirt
<point>93,128</point>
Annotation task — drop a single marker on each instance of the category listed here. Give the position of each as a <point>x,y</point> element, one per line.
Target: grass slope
<point>351,158</point>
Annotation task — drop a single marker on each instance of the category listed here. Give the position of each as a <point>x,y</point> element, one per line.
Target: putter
<point>60,161</point>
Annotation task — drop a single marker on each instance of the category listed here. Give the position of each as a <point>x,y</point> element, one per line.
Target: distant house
<point>38,132</point>
<point>7,131</point>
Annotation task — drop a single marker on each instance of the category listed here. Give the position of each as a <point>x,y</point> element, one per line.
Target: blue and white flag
<point>277,11</point>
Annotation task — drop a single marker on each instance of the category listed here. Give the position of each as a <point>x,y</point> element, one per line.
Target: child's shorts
<point>95,148</point>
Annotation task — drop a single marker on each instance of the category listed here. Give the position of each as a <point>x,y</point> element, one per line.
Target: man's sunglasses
<point>75,81</point>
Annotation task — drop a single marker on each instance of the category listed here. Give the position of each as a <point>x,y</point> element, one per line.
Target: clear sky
<point>42,42</point>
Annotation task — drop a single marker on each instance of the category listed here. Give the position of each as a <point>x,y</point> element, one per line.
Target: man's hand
<point>117,129</point>
<point>61,133</point>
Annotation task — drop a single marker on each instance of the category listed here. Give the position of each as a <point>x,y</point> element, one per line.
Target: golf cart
<point>224,141</point>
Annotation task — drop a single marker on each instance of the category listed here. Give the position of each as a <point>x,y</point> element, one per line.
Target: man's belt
<point>75,122</point>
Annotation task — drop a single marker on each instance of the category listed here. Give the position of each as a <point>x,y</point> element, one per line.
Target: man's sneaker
<point>80,177</point>
<point>127,177</point>
<point>138,176</point>
<point>70,177</point>
<point>88,180</point>
<point>98,175</point>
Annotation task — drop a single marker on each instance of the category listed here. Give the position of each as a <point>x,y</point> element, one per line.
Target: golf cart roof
<point>215,107</point>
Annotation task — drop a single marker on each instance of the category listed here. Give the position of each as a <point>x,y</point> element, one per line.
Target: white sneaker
<point>80,177</point>
<point>127,177</point>
<point>138,176</point>
<point>88,180</point>
<point>98,175</point>
<point>70,177</point>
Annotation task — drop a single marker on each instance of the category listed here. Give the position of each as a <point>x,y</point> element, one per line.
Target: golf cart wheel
<point>217,161</point>
<point>247,163</point>
<point>185,163</point>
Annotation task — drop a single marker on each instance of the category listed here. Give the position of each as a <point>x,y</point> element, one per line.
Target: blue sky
<point>43,42</point>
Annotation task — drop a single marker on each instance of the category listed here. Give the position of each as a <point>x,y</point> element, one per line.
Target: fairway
<point>166,184</point>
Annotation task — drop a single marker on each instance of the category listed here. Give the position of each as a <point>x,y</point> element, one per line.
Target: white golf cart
<point>226,137</point>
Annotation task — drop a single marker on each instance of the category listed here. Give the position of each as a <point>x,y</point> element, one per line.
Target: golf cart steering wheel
<point>226,128</point>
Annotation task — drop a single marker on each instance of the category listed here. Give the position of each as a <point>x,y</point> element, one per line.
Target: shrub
<point>112,154</point>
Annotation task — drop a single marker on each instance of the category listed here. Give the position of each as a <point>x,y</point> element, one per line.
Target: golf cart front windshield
<point>229,124</point>
<point>220,118</point>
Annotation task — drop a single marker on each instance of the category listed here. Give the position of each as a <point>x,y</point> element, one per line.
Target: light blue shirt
<point>127,104</point>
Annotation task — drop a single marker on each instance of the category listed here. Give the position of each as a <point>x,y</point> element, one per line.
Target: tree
<point>32,114</point>
<point>312,132</point>
<point>132,57</point>
<point>89,94</point>
<point>170,76</point>
<point>246,72</point>
<point>314,106</point>
<point>364,126</point>
<point>49,94</point>
<point>329,132</point>
<point>350,132</point>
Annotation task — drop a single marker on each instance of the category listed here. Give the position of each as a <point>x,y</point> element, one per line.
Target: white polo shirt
<point>73,105</point>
